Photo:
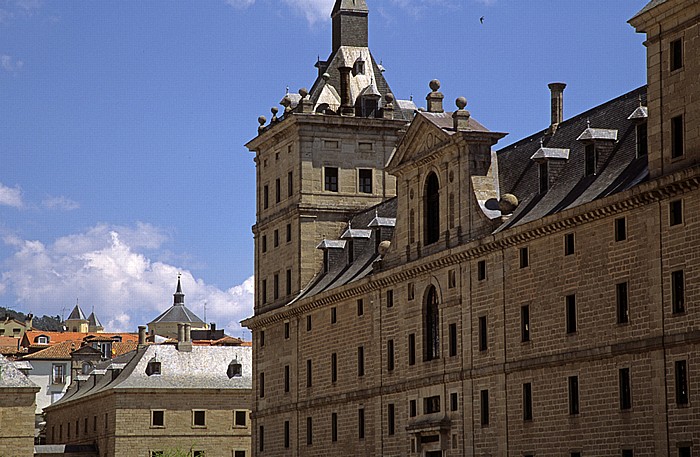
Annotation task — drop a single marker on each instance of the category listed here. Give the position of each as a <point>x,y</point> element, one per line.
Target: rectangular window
<point>334,427</point>
<point>331,179</point>
<point>573,395</point>
<point>484,408</point>
<point>453,340</point>
<point>590,159</point>
<point>334,367</point>
<point>391,419</point>
<point>527,401</point>
<point>525,323</point>
<point>431,405</point>
<point>157,418</point>
<point>261,385</point>
<point>308,323</point>
<point>625,389</point>
<point>240,418</point>
<point>261,337</point>
<point>308,373</point>
<point>454,401</point>
<point>451,279</point>
<point>266,197</point>
<point>290,184</point>
<point>676,54</point>
<point>642,140</point>
<point>263,291</point>
<point>412,349</point>
<point>524,258</point>
<point>199,418</point>
<point>288,288</point>
<point>627,453</point>
<point>678,292</point>
<point>575,454</point>
<point>264,243</point>
<point>289,233</point>
<point>365,181</point>
<point>261,439</point>
<point>481,270</point>
<point>623,310</point>
<point>411,291</point>
<point>278,191</point>
<point>58,374</point>
<point>360,361</point>
<point>684,451</point>
<point>412,408</point>
<point>620,229</point>
<point>286,435</point>
<point>677,149</point>
<point>360,307</point>
<point>309,431</point>
<point>390,355</point>
<point>681,382</point>
<point>571,314</point>
<point>286,330</point>
<point>544,176</point>
<point>389,298</point>
<point>569,246</point>
<point>334,315</point>
<point>675,212</point>
<point>286,378</point>
<point>483,337</point>
<point>361,423</point>
<point>276,286</point>
<point>276,238</point>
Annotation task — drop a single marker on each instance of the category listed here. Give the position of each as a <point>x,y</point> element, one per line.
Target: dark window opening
<point>432,325</point>
<point>261,385</point>
<point>453,340</point>
<point>288,289</point>
<point>199,418</point>
<point>412,408</point>
<point>264,243</point>
<point>334,427</point>
<point>627,453</point>
<point>481,270</point>
<point>289,233</point>
<point>286,435</point>
<point>278,191</point>
<point>573,395</point>
<point>483,336</point>
<point>361,423</point>
<point>391,419</point>
<point>334,367</point>
<point>527,401</point>
<point>590,159</point>
<point>331,179</point>
<point>334,315</point>
<point>309,431</point>
<point>261,438</point>
<point>620,229</point>
<point>276,286</point>
<point>525,323</point>
<point>484,408</point>
<point>157,419</point>
<point>524,257</point>
<point>569,245</point>
<point>286,378</point>
<point>623,310</point>
<point>676,54</point>
<point>286,330</point>
<point>308,323</point>
<point>290,184</point>
<point>431,405</point>
<point>642,140</point>
<point>571,314</point>
<point>678,292</point>
<point>235,369</point>
<point>263,286</point>
<point>360,307</point>
<point>266,197</point>
<point>625,389</point>
<point>677,137</point>
<point>276,238</point>
<point>389,298</point>
<point>684,451</point>
<point>360,361</point>
<point>390,355</point>
<point>544,177</point>
<point>240,418</point>
<point>432,209</point>
<point>365,178</point>
<point>412,349</point>
<point>675,212</point>
<point>681,382</point>
<point>308,373</point>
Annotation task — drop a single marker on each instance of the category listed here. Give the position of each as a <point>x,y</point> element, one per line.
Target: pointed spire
<point>178,296</point>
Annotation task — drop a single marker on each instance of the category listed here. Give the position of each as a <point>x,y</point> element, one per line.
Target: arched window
<point>431,209</point>
<point>431,325</point>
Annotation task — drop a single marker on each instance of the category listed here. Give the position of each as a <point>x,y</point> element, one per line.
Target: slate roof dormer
<point>596,134</point>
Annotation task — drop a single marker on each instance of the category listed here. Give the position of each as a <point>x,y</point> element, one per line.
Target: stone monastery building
<point>420,294</point>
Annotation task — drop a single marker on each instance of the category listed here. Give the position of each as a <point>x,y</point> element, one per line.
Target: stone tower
<point>323,159</point>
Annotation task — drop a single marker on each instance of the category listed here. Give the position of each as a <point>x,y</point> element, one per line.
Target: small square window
<point>199,418</point>
<point>240,418</point>
<point>481,270</point>
<point>620,229</point>
<point>675,212</point>
<point>676,54</point>
<point>157,418</point>
<point>569,246</point>
<point>524,257</point>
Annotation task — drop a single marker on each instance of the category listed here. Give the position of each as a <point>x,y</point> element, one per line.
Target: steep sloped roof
<point>12,378</point>
<point>77,314</point>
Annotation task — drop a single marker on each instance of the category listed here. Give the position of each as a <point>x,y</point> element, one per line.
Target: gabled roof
<point>29,338</point>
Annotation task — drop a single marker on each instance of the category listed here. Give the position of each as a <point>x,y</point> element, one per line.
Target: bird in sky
<point>481,19</point>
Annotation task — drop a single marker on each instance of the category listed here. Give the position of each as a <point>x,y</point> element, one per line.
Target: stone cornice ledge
<point>645,193</point>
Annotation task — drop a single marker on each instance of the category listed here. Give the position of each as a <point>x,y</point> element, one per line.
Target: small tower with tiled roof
<point>77,322</point>
<point>94,324</point>
<point>167,323</point>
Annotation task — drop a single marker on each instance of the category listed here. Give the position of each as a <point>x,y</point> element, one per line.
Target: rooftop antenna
<point>205,312</point>
<point>287,91</point>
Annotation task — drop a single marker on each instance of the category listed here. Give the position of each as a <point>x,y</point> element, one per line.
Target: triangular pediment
<point>422,139</point>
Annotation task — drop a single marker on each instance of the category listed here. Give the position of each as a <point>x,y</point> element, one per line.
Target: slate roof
<point>12,378</point>
<point>205,367</point>
<point>93,321</point>
<point>177,313</point>
<point>652,4</point>
<point>518,173</point>
<point>77,314</point>
<point>445,122</point>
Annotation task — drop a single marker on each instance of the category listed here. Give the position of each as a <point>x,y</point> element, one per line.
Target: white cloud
<point>313,10</point>
<point>60,203</point>
<point>10,64</point>
<point>10,196</point>
<point>29,5</point>
<point>240,4</point>
<point>104,268</point>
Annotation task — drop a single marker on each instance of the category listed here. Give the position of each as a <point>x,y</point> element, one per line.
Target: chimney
<point>29,320</point>
<point>346,106</point>
<point>213,326</point>
<point>188,333</point>
<point>180,333</point>
<point>350,24</point>
<point>557,90</point>
<point>142,335</point>
<point>434,98</point>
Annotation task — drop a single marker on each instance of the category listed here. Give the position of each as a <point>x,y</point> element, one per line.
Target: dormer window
<point>117,338</point>
<point>235,369</point>
<point>544,176</point>
<point>590,160</point>
<point>642,147</point>
<point>359,68</point>
<point>153,367</point>
<point>42,339</point>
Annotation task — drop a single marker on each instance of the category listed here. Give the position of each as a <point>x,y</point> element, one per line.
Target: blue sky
<point>122,125</point>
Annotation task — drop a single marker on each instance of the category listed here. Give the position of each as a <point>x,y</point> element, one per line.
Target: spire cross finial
<point>541,142</point>
<point>588,123</point>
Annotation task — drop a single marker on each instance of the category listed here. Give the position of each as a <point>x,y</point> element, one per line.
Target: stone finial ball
<point>389,97</point>
<point>434,85</point>
<point>286,102</point>
<point>262,120</point>
<point>326,76</point>
<point>303,92</point>
<point>274,110</point>
<point>508,203</point>
<point>384,247</point>
<point>461,102</point>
